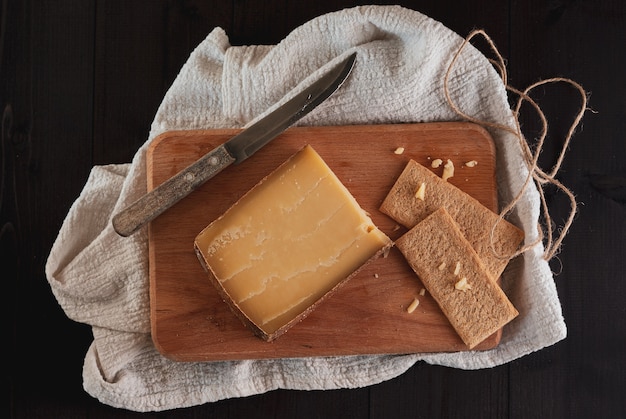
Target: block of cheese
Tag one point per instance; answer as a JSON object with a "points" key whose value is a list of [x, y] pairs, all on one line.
{"points": [[287, 244], [454, 275], [474, 219]]}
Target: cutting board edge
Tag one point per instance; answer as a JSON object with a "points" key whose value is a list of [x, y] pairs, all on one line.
{"points": [[227, 132]]}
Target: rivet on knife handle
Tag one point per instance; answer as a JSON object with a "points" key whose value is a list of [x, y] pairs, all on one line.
{"points": [[235, 150], [153, 204]]}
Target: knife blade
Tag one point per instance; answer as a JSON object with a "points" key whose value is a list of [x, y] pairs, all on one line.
{"points": [[234, 151]]}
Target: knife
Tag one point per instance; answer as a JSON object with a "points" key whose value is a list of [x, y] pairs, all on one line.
{"points": [[233, 151]]}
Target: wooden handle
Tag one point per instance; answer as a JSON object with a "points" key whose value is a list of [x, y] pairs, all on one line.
{"points": [[155, 202]]}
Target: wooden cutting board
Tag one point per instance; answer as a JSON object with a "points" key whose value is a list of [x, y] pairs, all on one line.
{"points": [[366, 316]]}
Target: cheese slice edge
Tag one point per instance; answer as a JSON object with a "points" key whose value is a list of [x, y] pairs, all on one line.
{"points": [[287, 243]]}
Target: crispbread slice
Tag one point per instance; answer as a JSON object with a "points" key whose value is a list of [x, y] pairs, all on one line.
{"points": [[474, 219], [433, 248]]}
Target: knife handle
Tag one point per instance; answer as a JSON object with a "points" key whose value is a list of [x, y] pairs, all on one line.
{"points": [[164, 196]]}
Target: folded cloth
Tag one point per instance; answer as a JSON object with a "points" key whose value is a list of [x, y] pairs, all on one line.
{"points": [[101, 279]]}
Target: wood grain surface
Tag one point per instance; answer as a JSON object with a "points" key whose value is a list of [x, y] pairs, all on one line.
{"points": [[80, 82], [367, 315]]}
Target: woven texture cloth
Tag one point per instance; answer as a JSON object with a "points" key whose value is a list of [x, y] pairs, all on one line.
{"points": [[101, 279]]}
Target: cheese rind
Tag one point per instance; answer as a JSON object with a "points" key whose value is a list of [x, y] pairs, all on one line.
{"points": [[287, 243]]}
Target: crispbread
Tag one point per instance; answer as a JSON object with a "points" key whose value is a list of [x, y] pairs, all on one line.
{"points": [[474, 219], [433, 248]]}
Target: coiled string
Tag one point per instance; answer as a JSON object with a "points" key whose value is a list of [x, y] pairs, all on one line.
{"points": [[535, 174]]}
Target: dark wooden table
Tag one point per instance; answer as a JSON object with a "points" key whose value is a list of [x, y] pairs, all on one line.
{"points": [[80, 82]]}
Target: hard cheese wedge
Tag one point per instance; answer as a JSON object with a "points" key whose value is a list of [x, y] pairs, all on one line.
{"points": [[287, 244]]}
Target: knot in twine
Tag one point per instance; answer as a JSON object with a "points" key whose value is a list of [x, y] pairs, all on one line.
{"points": [[536, 174]]}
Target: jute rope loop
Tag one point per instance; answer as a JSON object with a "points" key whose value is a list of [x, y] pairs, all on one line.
{"points": [[536, 174]]}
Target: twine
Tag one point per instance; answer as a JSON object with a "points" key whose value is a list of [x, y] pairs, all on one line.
{"points": [[537, 175]]}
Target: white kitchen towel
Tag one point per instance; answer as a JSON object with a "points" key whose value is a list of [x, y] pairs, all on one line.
{"points": [[101, 279]]}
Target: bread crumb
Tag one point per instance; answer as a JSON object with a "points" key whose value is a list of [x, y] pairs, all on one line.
{"points": [[420, 192], [448, 170], [422, 292], [457, 269], [436, 163], [442, 266], [399, 150], [411, 308], [471, 163], [376, 276], [462, 284]]}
